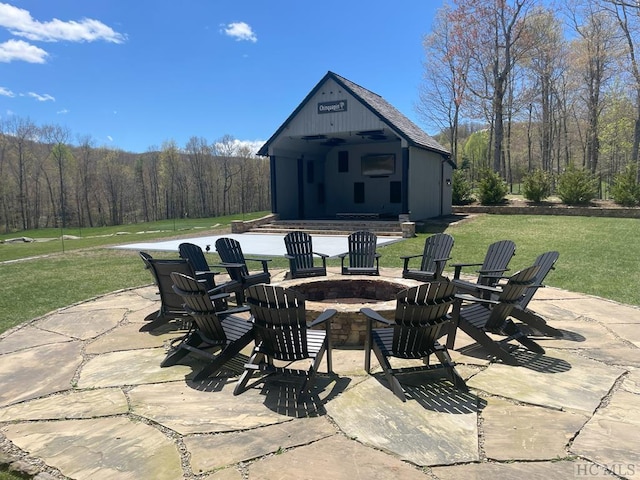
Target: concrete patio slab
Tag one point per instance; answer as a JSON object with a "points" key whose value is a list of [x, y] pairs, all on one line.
{"points": [[29, 337], [83, 324]]}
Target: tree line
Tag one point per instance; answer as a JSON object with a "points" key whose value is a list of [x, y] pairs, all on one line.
{"points": [[524, 85], [48, 180]]}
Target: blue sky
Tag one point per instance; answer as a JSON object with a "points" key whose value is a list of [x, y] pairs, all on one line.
{"points": [[135, 73]]}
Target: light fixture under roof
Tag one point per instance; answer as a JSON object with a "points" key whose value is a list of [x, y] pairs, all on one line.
{"points": [[314, 137]]}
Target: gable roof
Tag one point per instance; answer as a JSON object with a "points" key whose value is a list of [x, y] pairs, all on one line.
{"points": [[386, 112]]}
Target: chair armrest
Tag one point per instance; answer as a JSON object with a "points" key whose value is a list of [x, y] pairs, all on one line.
{"points": [[323, 255], [465, 297], [230, 265], [493, 273], [406, 260], [459, 266], [231, 311], [264, 261], [373, 315], [323, 317]]}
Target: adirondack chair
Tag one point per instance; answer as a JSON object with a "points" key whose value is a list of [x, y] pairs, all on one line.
{"points": [[545, 263], [195, 256], [483, 316], [282, 334], [223, 332], [235, 262], [437, 249], [362, 255], [300, 253], [170, 303], [491, 270], [421, 317]]}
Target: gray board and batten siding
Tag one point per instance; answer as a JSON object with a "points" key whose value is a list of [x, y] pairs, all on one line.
{"points": [[346, 149]]}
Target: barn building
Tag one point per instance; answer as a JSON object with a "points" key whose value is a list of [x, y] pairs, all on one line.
{"points": [[346, 152]]}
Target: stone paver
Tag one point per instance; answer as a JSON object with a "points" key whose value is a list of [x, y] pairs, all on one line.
{"points": [[558, 379], [371, 413], [29, 374], [74, 404], [611, 436], [242, 446], [520, 432], [104, 448], [336, 458], [82, 391]]}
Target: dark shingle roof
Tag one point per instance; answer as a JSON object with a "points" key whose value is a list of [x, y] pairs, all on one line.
{"points": [[379, 107], [390, 115]]}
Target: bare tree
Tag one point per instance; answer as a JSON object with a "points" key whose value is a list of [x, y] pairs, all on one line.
{"points": [[446, 66]]}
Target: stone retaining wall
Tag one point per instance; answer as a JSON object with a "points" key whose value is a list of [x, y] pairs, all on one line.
{"points": [[550, 210]]}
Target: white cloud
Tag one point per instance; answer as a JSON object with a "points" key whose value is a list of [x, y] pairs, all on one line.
{"points": [[20, 50], [240, 31], [6, 92], [41, 98], [64, 111], [110, 138], [20, 23]]}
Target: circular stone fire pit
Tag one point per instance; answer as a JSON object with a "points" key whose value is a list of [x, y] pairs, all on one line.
{"points": [[348, 294]]}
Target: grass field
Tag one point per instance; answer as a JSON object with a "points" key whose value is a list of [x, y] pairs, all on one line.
{"points": [[598, 256]]}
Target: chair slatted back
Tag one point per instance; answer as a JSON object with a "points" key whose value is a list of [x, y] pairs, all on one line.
{"points": [[230, 252], [300, 246], [279, 321], [545, 263], [362, 249], [421, 314], [199, 306], [161, 270], [497, 259], [511, 294], [435, 247], [193, 254]]}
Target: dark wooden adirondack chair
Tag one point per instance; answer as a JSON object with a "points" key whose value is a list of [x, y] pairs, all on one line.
{"points": [[545, 263], [362, 255], [483, 316], [283, 335], [222, 332], [491, 270], [422, 316], [235, 262], [437, 250], [195, 256], [171, 304], [300, 253]]}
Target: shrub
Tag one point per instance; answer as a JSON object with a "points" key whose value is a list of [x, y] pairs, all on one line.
{"points": [[491, 189], [625, 190], [461, 193], [536, 186], [576, 186]]}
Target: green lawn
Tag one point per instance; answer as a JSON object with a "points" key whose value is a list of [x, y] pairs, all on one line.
{"points": [[598, 256]]}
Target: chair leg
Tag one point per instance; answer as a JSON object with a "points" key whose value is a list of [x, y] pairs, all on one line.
{"points": [[447, 363], [224, 356], [394, 384], [182, 350], [536, 321], [254, 361], [492, 347]]}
